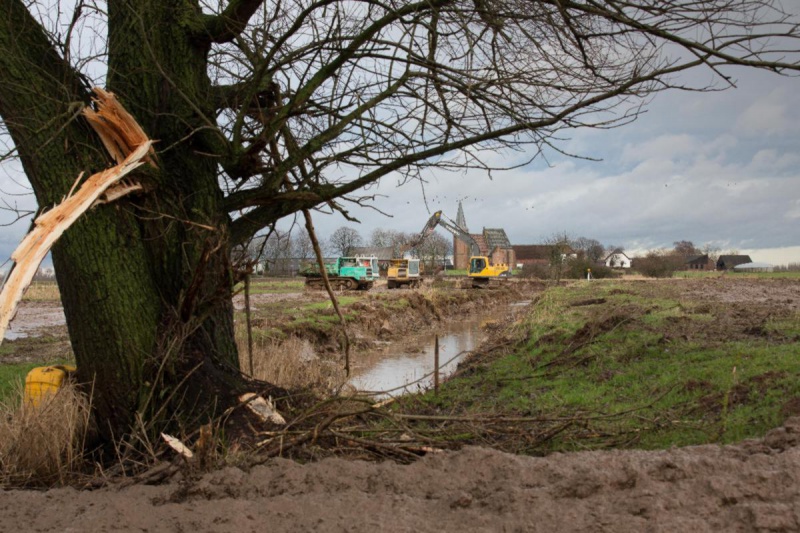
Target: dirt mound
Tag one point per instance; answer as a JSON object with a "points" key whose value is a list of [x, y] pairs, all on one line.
{"points": [[753, 486]]}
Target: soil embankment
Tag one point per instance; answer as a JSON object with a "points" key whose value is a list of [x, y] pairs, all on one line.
{"points": [[753, 486], [378, 315]]}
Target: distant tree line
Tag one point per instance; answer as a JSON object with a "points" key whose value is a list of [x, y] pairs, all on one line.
{"points": [[286, 252]]}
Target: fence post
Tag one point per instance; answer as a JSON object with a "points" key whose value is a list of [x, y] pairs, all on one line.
{"points": [[436, 366], [249, 324]]}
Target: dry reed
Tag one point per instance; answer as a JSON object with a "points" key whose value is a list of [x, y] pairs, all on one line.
{"points": [[42, 446], [290, 363], [42, 291]]}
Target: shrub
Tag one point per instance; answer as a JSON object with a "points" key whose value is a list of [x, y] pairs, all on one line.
{"points": [[658, 264], [539, 271], [576, 269]]}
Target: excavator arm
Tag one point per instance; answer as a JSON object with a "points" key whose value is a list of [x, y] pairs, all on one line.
{"points": [[426, 231], [460, 234]]}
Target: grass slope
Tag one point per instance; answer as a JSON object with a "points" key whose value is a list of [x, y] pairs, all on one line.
{"points": [[614, 364]]}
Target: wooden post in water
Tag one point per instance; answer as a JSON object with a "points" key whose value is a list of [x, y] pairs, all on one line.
{"points": [[436, 366], [249, 325]]}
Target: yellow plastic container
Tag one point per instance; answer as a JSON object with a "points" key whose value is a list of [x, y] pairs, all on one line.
{"points": [[44, 381]]}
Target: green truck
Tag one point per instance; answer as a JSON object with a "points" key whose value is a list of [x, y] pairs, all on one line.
{"points": [[347, 273]]}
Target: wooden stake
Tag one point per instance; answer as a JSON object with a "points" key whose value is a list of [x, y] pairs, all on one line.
{"points": [[321, 263], [436, 366], [249, 323]]}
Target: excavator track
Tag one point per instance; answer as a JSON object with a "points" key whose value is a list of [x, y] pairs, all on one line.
{"points": [[337, 283], [489, 283]]}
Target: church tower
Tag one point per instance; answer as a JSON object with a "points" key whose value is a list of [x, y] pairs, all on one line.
{"points": [[460, 248]]}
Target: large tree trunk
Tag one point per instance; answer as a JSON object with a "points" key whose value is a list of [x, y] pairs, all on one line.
{"points": [[146, 282]]}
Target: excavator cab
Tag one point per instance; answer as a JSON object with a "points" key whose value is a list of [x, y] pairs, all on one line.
{"points": [[477, 265]]}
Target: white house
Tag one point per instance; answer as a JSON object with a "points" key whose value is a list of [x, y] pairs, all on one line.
{"points": [[617, 259]]}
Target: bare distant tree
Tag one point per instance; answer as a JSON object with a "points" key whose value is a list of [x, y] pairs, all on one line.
{"points": [[381, 237], [390, 238], [433, 250], [591, 249], [277, 252], [712, 251], [302, 246], [343, 240], [559, 254], [685, 248], [264, 108], [270, 252]]}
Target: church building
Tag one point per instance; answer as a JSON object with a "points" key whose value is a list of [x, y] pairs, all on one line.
{"points": [[493, 243]]}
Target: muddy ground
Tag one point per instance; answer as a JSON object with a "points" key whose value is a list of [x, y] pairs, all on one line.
{"points": [[754, 486], [750, 486]]}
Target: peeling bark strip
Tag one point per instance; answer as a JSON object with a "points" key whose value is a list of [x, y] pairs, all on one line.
{"points": [[130, 147]]}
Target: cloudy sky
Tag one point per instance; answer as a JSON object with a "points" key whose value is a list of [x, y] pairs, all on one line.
{"points": [[720, 168]]}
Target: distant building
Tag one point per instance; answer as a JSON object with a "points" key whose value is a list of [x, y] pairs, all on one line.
{"points": [[538, 254], [617, 259], [699, 262], [492, 242], [727, 262]]}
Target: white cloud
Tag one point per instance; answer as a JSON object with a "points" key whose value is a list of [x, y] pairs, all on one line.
{"points": [[662, 147], [770, 114]]}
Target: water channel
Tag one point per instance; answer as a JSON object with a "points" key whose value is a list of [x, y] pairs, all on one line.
{"points": [[398, 368], [405, 367]]}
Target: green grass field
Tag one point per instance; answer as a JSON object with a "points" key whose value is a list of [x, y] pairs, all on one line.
{"points": [[628, 365]]}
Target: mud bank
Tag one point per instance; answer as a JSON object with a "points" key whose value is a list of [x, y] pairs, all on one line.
{"points": [[753, 486], [390, 316]]}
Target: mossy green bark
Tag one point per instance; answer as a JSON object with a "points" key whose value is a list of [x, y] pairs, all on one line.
{"points": [[140, 274]]}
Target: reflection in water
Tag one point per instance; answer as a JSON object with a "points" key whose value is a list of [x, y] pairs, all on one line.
{"points": [[12, 335], [33, 320], [396, 370]]}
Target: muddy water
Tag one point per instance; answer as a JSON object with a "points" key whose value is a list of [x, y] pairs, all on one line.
{"points": [[397, 368], [35, 318], [401, 367]]}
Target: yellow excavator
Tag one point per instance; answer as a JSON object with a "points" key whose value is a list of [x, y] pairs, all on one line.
{"points": [[482, 272], [408, 272]]}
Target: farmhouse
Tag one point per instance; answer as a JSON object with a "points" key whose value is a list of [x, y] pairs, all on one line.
{"points": [[538, 254], [617, 259], [699, 262]]}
